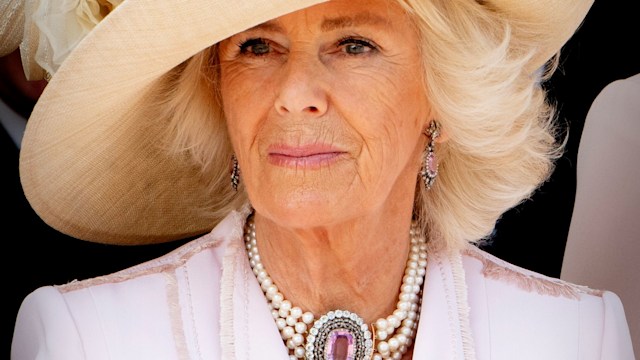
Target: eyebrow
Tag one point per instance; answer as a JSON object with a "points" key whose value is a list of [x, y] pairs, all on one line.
{"points": [[342, 22]]}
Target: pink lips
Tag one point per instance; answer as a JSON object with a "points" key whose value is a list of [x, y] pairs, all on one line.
{"points": [[307, 156]]}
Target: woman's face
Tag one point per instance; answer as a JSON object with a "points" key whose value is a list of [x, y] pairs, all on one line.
{"points": [[326, 110]]}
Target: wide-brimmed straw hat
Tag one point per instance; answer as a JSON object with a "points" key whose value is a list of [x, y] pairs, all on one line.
{"points": [[91, 165]]}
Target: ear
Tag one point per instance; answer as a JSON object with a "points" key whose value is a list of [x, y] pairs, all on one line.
{"points": [[443, 135]]}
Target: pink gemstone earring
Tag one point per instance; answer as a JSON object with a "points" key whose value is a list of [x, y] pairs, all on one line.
{"points": [[429, 170]]}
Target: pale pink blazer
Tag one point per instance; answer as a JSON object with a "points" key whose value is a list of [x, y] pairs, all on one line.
{"points": [[202, 301]]}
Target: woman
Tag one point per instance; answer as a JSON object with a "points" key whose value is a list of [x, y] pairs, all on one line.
{"points": [[337, 234]]}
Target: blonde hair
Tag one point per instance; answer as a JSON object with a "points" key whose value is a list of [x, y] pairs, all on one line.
{"points": [[501, 135], [501, 140], [190, 102]]}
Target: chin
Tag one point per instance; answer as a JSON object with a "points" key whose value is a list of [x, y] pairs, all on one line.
{"points": [[297, 209]]}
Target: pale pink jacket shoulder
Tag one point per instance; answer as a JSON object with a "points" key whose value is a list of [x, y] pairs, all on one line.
{"points": [[202, 301]]}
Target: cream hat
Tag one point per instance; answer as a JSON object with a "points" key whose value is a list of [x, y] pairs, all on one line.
{"points": [[90, 163]]}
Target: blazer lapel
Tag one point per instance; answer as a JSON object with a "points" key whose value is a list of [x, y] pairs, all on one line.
{"points": [[444, 331], [254, 333]]}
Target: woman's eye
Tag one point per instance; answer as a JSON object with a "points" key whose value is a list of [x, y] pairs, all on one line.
{"points": [[255, 47], [356, 46]]}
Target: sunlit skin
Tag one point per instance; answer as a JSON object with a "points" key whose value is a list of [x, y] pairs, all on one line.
{"points": [[327, 114]]}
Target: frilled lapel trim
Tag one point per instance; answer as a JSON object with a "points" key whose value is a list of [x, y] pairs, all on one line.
{"points": [[246, 326], [527, 280], [444, 332]]}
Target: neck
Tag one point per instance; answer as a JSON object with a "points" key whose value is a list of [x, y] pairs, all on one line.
{"points": [[357, 265]]}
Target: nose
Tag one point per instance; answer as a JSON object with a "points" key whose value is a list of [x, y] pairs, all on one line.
{"points": [[301, 90]]}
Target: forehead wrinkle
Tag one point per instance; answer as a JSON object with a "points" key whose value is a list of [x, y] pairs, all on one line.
{"points": [[329, 24], [364, 18]]}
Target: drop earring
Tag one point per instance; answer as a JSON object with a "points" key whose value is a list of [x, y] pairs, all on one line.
{"points": [[235, 173], [429, 170]]}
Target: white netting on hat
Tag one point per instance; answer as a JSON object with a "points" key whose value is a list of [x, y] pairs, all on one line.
{"points": [[62, 24]]}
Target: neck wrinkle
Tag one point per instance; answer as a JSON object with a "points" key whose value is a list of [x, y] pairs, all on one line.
{"points": [[360, 272]]}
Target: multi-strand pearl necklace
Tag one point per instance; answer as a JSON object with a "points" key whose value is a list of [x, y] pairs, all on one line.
{"points": [[316, 338]]}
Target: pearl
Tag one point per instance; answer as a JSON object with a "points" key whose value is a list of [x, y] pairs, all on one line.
{"points": [[272, 290], [266, 283], [290, 344], [393, 321], [300, 327], [383, 347], [394, 344], [409, 324], [297, 339], [394, 334], [262, 275], [390, 330], [381, 324], [404, 305], [405, 331], [402, 339], [277, 300], [286, 305], [296, 312], [307, 318], [287, 332], [400, 314]]}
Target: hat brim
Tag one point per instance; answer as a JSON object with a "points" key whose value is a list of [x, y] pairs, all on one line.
{"points": [[134, 193]]}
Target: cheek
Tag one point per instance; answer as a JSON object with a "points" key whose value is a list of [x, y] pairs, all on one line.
{"points": [[391, 116], [234, 88], [245, 100], [393, 136]]}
